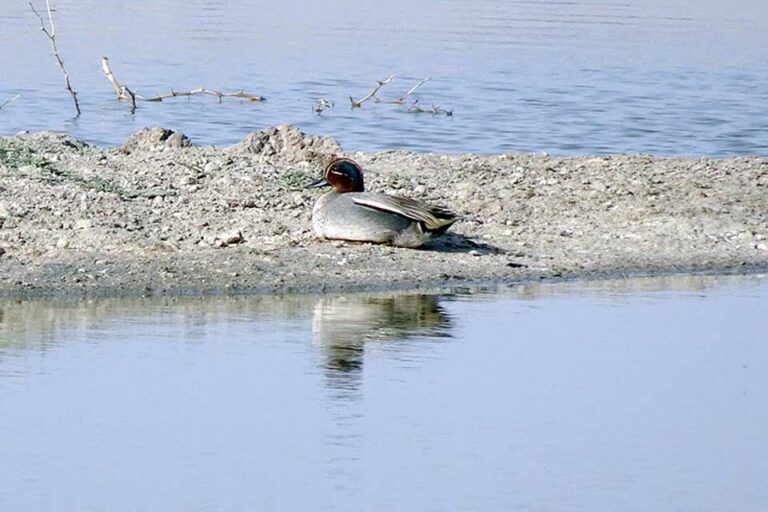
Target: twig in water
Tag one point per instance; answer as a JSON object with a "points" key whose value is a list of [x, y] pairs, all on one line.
{"points": [[372, 93], [131, 98], [203, 90], [321, 105], [112, 80], [414, 108], [124, 93], [9, 100], [51, 35], [401, 99]]}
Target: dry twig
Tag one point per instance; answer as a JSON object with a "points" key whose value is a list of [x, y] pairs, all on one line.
{"points": [[414, 108], [112, 80], [401, 99], [51, 35], [203, 90], [9, 100], [321, 105], [372, 93], [124, 93]]}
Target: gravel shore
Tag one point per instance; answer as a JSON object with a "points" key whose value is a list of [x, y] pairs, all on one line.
{"points": [[159, 215]]}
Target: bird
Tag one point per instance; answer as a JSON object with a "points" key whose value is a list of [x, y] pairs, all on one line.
{"points": [[350, 213]]}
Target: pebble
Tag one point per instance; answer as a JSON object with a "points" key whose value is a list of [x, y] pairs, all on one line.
{"points": [[83, 224], [231, 237]]}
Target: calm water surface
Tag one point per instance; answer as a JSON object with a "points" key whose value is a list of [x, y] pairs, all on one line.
{"points": [[602, 76], [630, 395]]}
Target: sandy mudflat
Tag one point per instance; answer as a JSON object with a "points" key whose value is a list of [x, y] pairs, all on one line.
{"points": [[158, 215]]}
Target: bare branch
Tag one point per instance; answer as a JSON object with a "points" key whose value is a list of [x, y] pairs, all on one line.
{"points": [[414, 108], [401, 99], [9, 101], [203, 90], [321, 105], [372, 93], [124, 93], [112, 80], [51, 35]]}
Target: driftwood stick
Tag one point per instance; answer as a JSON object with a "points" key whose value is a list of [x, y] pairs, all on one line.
{"points": [[414, 108], [9, 101], [321, 105], [372, 93], [401, 99], [124, 93], [119, 91], [51, 35], [203, 90]]}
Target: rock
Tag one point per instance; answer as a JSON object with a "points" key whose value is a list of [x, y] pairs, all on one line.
{"points": [[224, 239], [288, 143], [232, 237], [155, 139], [52, 141], [83, 224], [465, 189]]}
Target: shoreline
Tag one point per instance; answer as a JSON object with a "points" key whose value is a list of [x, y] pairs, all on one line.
{"points": [[159, 216], [426, 288]]}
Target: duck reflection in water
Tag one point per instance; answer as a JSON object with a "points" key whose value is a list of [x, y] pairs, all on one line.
{"points": [[344, 325]]}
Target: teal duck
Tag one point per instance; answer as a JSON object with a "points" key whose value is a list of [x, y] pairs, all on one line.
{"points": [[348, 212]]}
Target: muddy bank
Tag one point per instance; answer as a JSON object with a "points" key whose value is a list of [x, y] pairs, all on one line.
{"points": [[160, 215]]}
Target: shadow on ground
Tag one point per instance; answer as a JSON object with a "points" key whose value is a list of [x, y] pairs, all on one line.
{"points": [[455, 242]]}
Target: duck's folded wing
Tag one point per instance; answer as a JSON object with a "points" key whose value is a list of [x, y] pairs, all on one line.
{"points": [[433, 217]]}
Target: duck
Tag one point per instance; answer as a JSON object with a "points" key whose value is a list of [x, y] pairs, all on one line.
{"points": [[350, 213]]}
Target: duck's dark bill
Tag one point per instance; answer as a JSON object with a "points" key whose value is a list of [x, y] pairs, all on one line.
{"points": [[322, 182]]}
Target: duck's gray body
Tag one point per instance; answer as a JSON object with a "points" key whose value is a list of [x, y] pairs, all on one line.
{"points": [[345, 217]]}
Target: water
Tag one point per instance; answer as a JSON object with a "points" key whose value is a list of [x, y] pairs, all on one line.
{"points": [[626, 395], [566, 77]]}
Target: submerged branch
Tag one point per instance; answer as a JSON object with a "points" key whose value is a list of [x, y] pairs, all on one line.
{"points": [[402, 98], [119, 91], [372, 93], [51, 35], [414, 108], [124, 93], [203, 90], [321, 105], [9, 101]]}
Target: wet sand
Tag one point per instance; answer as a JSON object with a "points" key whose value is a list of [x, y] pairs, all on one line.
{"points": [[159, 215]]}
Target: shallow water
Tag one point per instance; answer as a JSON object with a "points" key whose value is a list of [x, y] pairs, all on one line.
{"points": [[616, 395], [566, 77]]}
